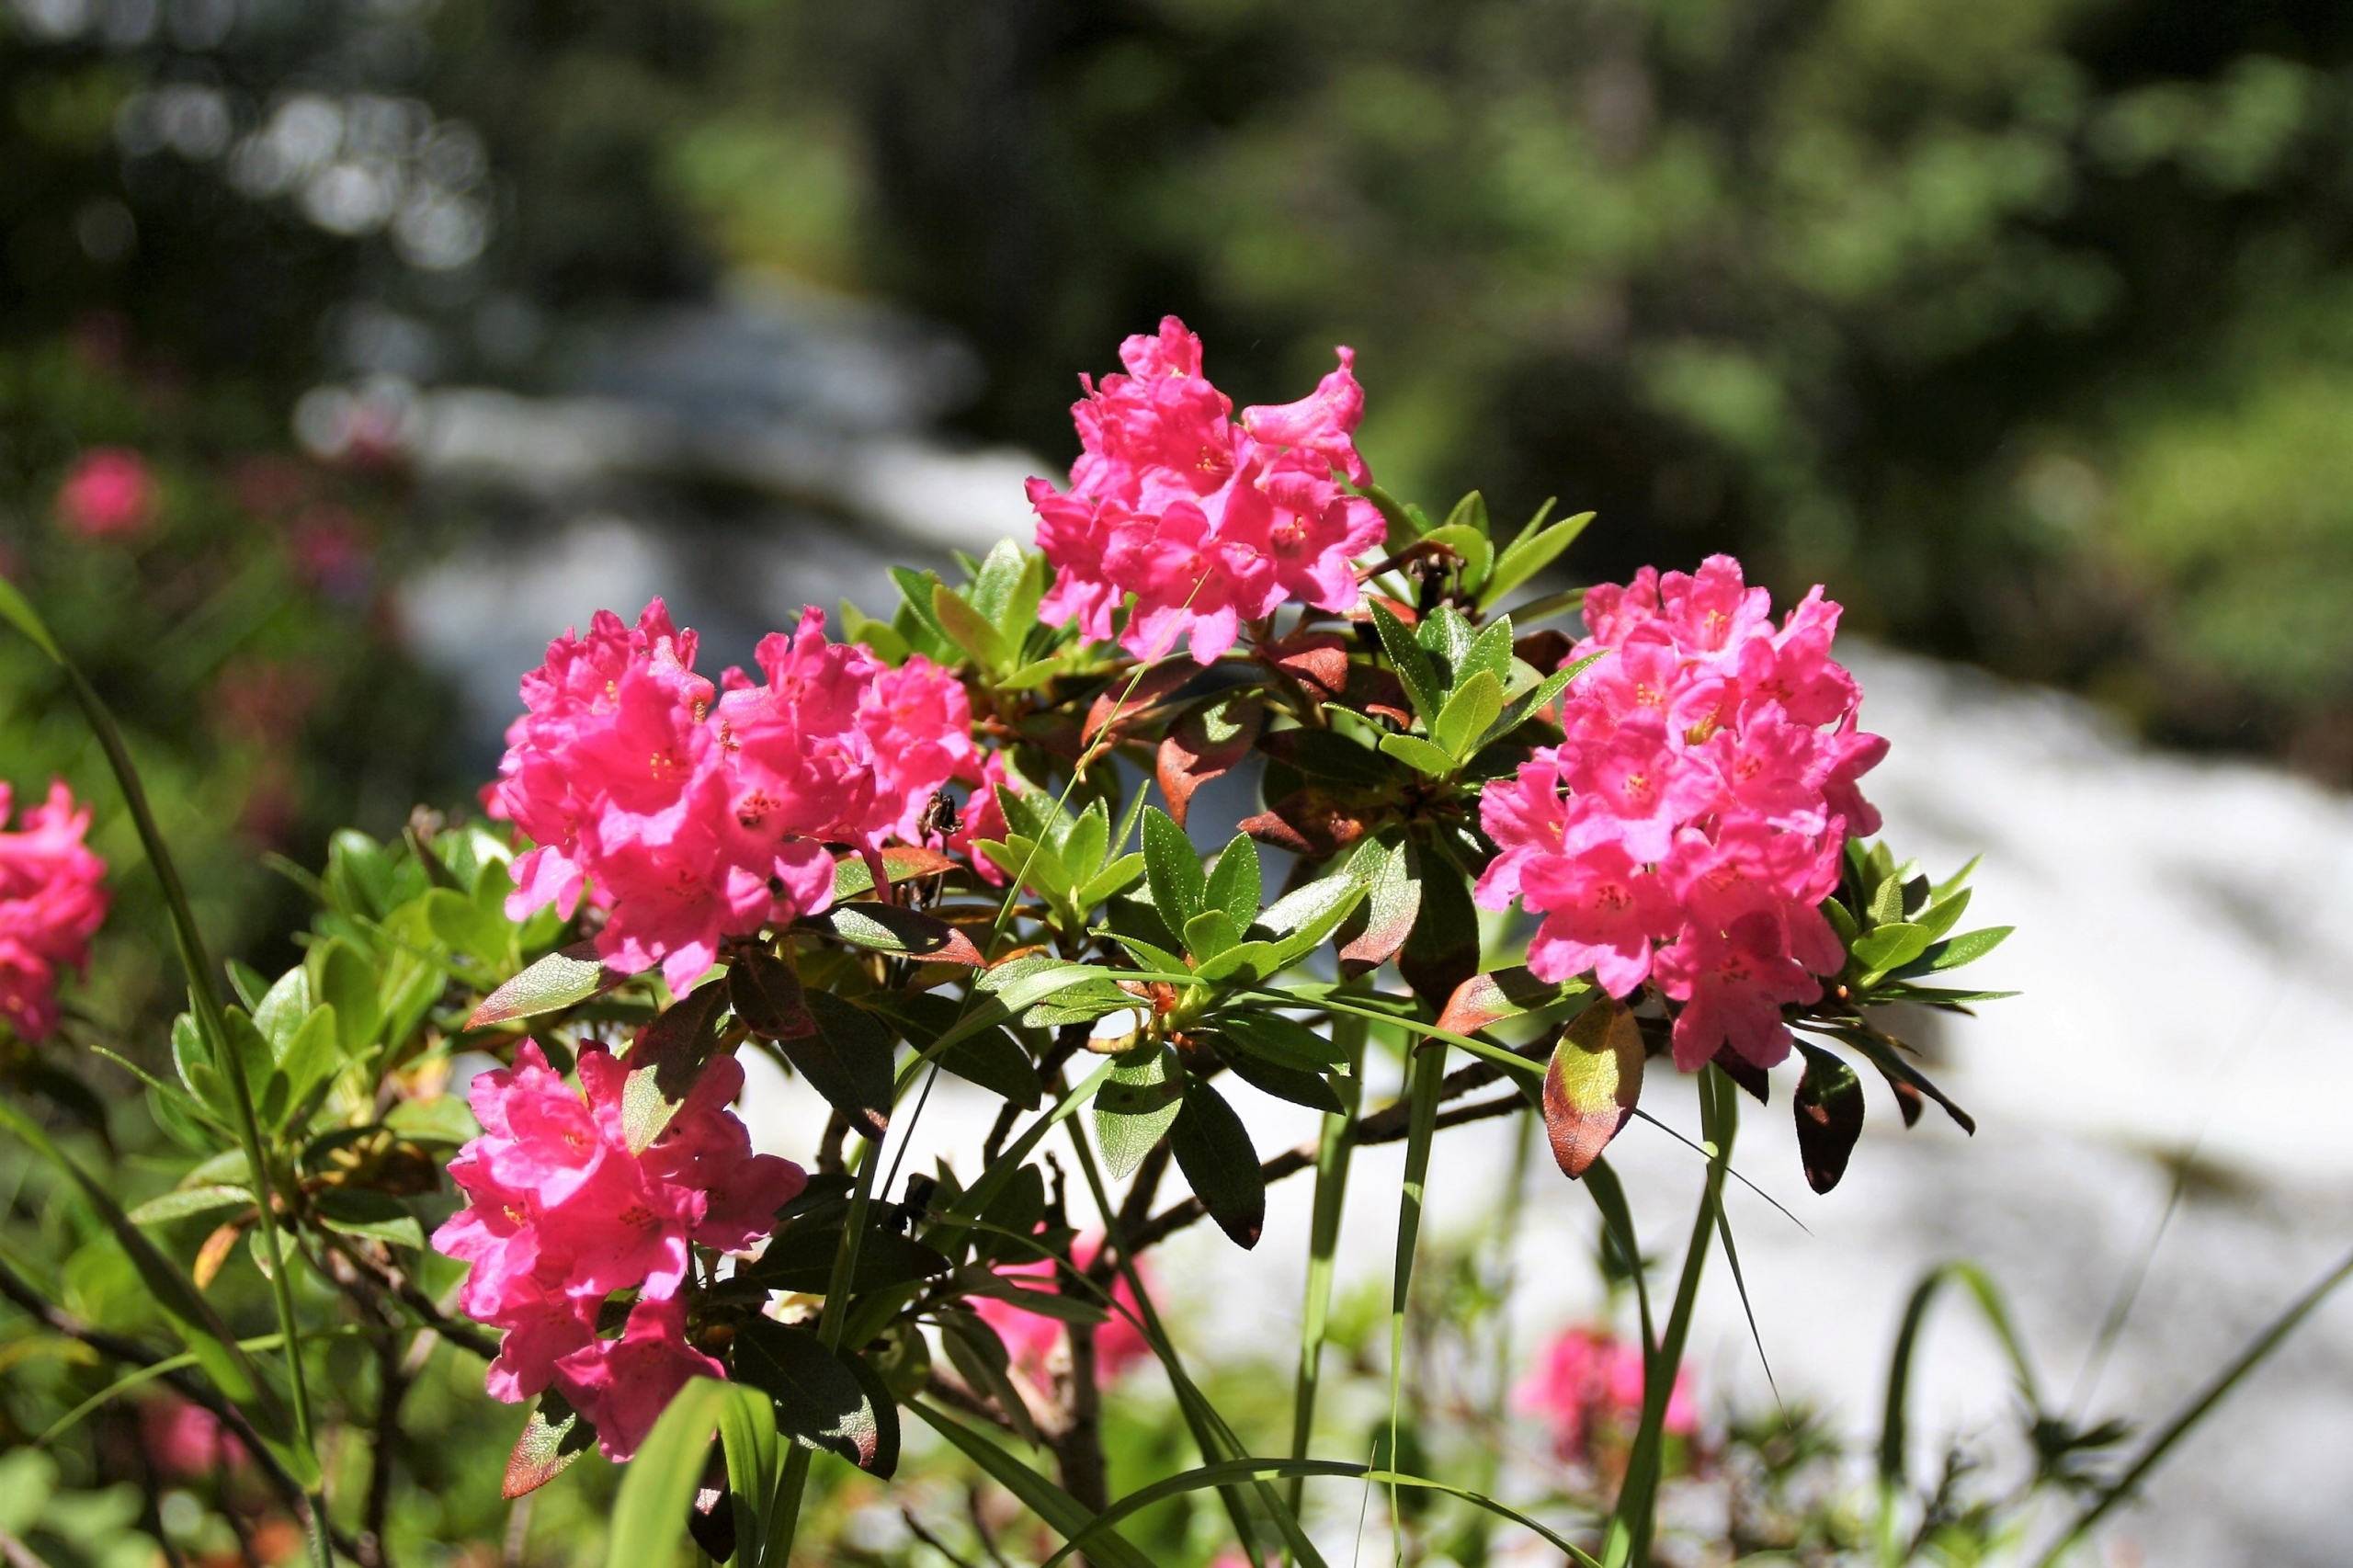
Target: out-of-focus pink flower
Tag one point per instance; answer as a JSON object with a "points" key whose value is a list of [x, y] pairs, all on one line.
{"points": [[52, 900], [107, 494], [332, 553], [1039, 1345], [185, 1440], [561, 1214], [1208, 522], [693, 813], [1700, 799], [1590, 1385]]}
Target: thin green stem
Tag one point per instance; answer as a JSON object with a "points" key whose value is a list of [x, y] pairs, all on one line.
{"points": [[1335, 1145], [785, 1517], [1635, 1518], [1428, 1073]]}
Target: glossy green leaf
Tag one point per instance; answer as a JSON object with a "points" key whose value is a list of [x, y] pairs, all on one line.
{"points": [[561, 980], [1464, 719], [1234, 883], [847, 1058], [1213, 1151], [1412, 665], [1172, 868], [819, 1403], [1135, 1105], [1419, 754], [1528, 555]]}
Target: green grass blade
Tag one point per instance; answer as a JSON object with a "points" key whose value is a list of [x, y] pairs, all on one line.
{"points": [[1423, 1093], [1333, 1150], [659, 1487], [1062, 1513]]}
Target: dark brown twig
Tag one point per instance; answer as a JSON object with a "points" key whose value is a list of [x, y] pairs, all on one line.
{"points": [[463, 1334]]}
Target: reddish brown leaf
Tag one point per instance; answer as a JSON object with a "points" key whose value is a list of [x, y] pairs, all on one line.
{"points": [[542, 1452], [1397, 608], [1744, 1072], [1547, 650], [1486, 999], [1205, 742], [1318, 660], [1308, 821], [1591, 1086], [1378, 927], [1157, 684]]}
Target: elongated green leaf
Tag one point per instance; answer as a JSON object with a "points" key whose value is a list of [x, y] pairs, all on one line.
{"points": [[1062, 1513], [1234, 883], [191, 1200], [1419, 754], [659, 1487], [1412, 665], [979, 1355], [802, 1260], [1225, 1472], [560, 980], [998, 581], [1468, 713], [747, 1436], [1528, 555], [969, 629], [1967, 948], [887, 928], [1297, 1085], [1172, 868], [819, 1403], [1209, 933], [1213, 1151], [765, 993], [847, 1058], [1894, 1439], [1484, 1000], [553, 1436], [989, 1057], [1135, 1105], [901, 863], [376, 1215]]}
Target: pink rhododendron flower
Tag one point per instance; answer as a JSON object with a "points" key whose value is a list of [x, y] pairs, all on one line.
{"points": [[1039, 1345], [561, 1214], [1208, 522], [1705, 785], [1590, 1382], [693, 813], [107, 494], [52, 900]]}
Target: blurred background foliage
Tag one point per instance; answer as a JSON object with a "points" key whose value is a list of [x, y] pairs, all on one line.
{"points": [[2025, 323]]}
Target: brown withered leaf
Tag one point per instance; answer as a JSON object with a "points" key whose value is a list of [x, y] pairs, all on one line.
{"points": [[1317, 660], [1311, 822], [1206, 742], [215, 1252], [1547, 650], [1590, 1089], [1119, 708]]}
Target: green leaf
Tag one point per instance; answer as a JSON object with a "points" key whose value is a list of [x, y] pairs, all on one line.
{"points": [[1967, 948], [1829, 1110], [678, 1044], [1940, 916], [1887, 947], [357, 1211], [916, 590], [346, 981], [989, 1057], [1420, 755], [1172, 868], [878, 635], [1062, 1514], [1030, 862], [1528, 555], [995, 585], [1516, 712], [801, 1259], [1285, 1041], [853, 876], [1887, 899], [1463, 721], [1412, 665], [184, 1201], [888, 928], [1443, 950], [1592, 1085], [1213, 1151], [979, 1355], [659, 1487], [1290, 1083], [562, 979], [1301, 919], [1113, 880], [1330, 756], [847, 1058], [1233, 884], [281, 1010], [1476, 550], [479, 933], [1135, 1105], [881, 1460], [766, 994], [819, 1403], [1090, 836], [1445, 635], [747, 1439], [1209, 933], [1248, 962], [978, 1280], [311, 1058], [969, 629]]}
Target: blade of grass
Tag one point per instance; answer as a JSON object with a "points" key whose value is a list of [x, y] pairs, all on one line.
{"points": [[1422, 1092], [1333, 1149], [2259, 1350], [205, 1001], [1634, 1521]]}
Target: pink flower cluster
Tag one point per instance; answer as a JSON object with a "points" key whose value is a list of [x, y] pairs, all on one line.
{"points": [[109, 493], [561, 1214], [1590, 1382], [52, 900], [1700, 800], [1033, 1340], [693, 813], [1208, 522]]}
